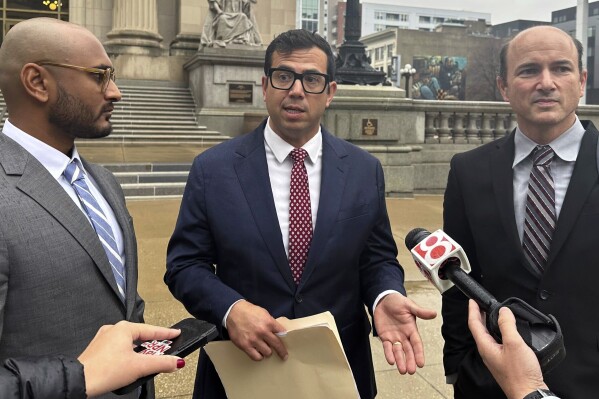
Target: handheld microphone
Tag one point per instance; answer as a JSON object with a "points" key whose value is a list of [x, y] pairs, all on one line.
{"points": [[444, 263]]}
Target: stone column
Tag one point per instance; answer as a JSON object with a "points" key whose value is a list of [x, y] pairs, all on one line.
{"points": [[134, 28], [191, 22]]}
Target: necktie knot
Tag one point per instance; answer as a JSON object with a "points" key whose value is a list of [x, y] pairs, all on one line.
{"points": [[298, 155], [72, 172], [543, 155]]}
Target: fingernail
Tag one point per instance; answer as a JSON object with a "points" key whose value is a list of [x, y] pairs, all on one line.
{"points": [[180, 363]]}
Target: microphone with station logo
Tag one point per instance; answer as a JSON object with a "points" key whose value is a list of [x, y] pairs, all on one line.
{"points": [[444, 263]]}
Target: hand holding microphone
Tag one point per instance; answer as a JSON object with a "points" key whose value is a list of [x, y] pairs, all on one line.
{"points": [[443, 262]]}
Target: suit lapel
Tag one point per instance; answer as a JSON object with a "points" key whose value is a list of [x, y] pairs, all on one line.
{"points": [[122, 216], [584, 178], [39, 185], [252, 171], [503, 189], [334, 176]]}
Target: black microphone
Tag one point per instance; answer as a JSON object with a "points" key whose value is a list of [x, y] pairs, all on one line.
{"points": [[444, 263]]}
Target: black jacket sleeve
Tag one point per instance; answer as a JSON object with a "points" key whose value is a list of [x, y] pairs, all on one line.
{"points": [[42, 378]]}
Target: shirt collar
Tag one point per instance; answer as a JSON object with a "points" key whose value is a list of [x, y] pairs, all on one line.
{"points": [[281, 148], [52, 159], [566, 146]]}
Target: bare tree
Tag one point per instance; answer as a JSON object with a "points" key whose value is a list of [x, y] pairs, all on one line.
{"points": [[483, 67]]}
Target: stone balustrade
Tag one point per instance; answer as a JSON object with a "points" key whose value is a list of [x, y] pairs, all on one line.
{"points": [[416, 139]]}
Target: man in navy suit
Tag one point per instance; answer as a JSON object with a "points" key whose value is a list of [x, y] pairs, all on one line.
{"points": [[229, 257]]}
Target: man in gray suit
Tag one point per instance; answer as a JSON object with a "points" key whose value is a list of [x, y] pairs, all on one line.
{"points": [[68, 257]]}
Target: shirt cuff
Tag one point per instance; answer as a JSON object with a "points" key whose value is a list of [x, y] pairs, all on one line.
{"points": [[224, 322], [381, 296]]}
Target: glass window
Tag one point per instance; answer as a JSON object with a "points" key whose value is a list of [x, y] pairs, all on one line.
{"points": [[591, 31], [15, 11], [424, 20], [390, 50]]}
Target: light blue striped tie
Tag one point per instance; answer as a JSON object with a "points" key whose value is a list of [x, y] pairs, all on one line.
{"points": [[76, 177]]}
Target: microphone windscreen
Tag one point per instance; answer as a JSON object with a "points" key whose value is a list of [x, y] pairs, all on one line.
{"points": [[415, 236]]}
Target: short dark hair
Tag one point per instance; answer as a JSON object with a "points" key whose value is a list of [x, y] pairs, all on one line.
{"points": [[299, 39], [505, 47]]}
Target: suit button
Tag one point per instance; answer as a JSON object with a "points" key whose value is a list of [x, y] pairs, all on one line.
{"points": [[298, 298], [544, 294]]}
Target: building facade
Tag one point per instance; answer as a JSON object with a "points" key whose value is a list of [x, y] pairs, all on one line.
{"points": [[565, 19], [147, 39], [452, 62], [378, 15], [512, 28]]}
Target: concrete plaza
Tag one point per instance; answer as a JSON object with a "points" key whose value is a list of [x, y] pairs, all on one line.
{"points": [[154, 222]]}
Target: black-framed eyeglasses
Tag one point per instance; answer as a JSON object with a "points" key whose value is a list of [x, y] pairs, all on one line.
{"points": [[284, 79], [107, 74]]}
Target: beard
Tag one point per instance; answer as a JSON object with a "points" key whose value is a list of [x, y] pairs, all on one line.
{"points": [[75, 118]]}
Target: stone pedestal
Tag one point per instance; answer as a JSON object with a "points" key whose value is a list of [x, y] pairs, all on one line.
{"points": [[371, 118], [226, 84]]}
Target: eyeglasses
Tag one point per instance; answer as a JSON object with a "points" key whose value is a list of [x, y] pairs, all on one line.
{"points": [[284, 79], [106, 75]]}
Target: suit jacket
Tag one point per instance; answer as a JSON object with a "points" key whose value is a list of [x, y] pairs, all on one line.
{"points": [[56, 285], [479, 214], [227, 245]]}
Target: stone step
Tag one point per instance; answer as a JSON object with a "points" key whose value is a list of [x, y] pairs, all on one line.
{"points": [[147, 98], [147, 167], [164, 132], [166, 107], [142, 117], [151, 177], [144, 190], [135, 123], [158, 138]]}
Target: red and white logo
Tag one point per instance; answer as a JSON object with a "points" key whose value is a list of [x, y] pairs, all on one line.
{"points": [[156, 347], [434, 247]]}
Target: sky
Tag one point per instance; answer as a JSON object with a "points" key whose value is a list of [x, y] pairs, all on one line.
{"points": [[501, 11]]}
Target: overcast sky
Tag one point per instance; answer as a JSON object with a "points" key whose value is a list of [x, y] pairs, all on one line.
{"points": [[501, 11]]}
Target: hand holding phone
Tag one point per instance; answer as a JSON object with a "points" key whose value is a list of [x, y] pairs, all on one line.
{"points": [[194, 334]]}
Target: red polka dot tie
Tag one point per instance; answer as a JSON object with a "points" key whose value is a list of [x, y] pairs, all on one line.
{"points": [[300, 215]]}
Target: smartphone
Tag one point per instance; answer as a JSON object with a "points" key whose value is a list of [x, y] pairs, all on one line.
{"points": [[194, 334]]}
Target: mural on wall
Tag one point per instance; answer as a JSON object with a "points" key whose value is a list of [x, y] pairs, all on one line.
{"points": [[439, 78]]}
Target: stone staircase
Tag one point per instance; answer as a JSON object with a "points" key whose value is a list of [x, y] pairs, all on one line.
{"points": [[143, 180], [153, 112], [151, 116]]}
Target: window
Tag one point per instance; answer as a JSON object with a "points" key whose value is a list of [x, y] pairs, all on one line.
{"points": [[310, 15], [392, 17], [379, 27], [390, 48], [425, 20], [438, 20], [15, 11], [590, 51], [379, 15], [591, 31]]}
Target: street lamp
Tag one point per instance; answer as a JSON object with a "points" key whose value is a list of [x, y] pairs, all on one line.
{"points": [[406, 72]]}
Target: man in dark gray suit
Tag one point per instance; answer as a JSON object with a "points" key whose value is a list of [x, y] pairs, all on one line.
{"points": [[68, 257]]}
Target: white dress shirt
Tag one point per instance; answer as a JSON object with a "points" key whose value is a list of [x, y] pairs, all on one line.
{"points": [[55, 163], [566, 148], [279, 170]]}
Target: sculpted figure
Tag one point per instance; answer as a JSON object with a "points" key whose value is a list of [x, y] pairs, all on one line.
{"points": [[231, 21]]}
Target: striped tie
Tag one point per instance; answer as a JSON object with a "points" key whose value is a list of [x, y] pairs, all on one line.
{"points": [[76, 177], [540, 217]]}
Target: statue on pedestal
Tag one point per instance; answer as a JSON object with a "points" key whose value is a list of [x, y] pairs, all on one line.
{"points": [[231, 21]]}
